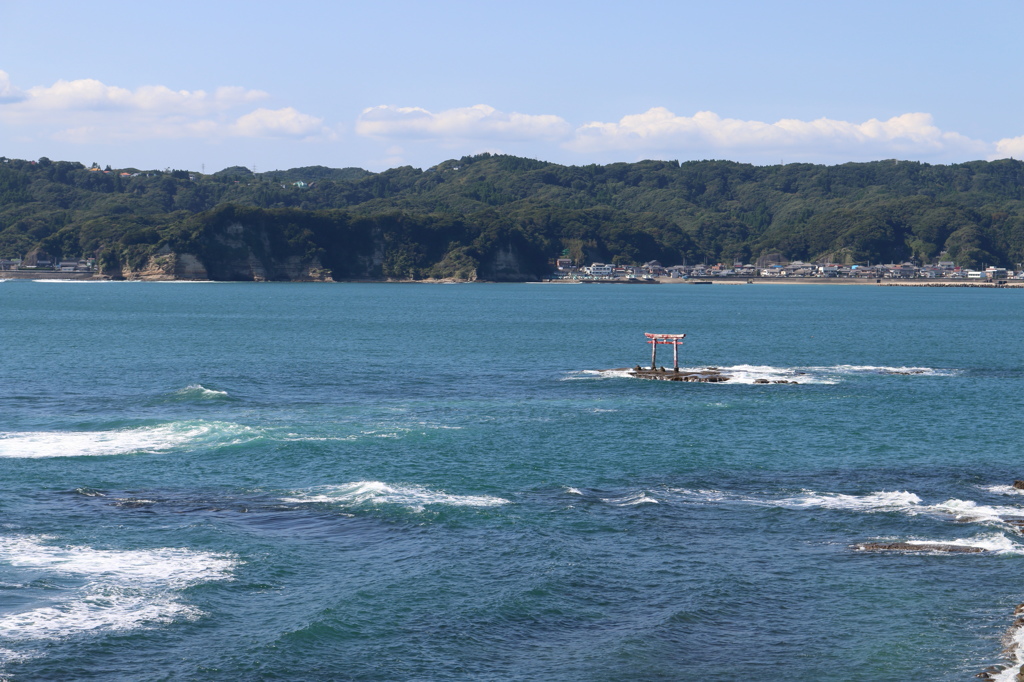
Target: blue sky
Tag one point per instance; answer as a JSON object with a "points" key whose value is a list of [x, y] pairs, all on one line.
{"points": [[376, 85]]}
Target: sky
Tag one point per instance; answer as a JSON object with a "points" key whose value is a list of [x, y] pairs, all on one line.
{"points": [[274, 85]]}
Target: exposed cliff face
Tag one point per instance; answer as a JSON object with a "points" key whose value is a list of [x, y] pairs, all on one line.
{"points": [[167, 265], [236, 244], [238, 253], [246, 253], [511, 262]]}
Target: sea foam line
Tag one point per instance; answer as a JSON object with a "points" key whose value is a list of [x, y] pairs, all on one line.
{"points": [[377, 492], [751, 374], [991, 543], [106, 590], [964, 511], [33, 444], [200, 391]]}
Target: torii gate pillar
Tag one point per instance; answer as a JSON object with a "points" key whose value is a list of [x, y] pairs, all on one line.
{"points": [[674, 339]]}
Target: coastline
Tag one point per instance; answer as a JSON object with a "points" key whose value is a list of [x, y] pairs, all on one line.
{"points": [[731, 281]]}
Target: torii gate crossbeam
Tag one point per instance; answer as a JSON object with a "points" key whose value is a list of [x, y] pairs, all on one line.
{"points": [[674, 339]]}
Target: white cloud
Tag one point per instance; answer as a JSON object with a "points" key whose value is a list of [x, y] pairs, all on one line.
{"points": [[660, 130], [465, 123], [88, 94], [285, 122], [1009, 146], [90, 111], [8, 93]]}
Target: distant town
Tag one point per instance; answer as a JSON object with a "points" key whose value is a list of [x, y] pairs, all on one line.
{"points": [[653, 270], [86, 265]]}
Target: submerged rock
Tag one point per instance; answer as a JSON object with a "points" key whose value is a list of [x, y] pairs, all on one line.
{"points": [[917, 547]]}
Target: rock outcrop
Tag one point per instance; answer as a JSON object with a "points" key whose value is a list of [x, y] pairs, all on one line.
{"points": [[917, 547]]}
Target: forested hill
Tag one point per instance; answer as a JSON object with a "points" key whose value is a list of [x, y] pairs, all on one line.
{"points": [[503, 217]]}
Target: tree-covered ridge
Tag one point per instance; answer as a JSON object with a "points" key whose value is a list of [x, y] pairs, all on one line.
{"points": [[451, 220]]}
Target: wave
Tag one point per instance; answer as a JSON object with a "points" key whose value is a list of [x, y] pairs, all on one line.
{"points": [[147, 439], [991, 543], [758, 374], [905, 502], [199, 392], [106, 590], [1002, 489], [413, 497], [877, 501], [630, 499]]}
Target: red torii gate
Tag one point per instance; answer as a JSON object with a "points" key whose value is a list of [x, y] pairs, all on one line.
{"points": [[675, 339]]}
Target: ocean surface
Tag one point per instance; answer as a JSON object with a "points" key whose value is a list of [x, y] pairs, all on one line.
{"points": [[212, 481]]}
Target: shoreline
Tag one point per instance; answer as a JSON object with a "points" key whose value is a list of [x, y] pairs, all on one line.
{"points": [[943, 284]]}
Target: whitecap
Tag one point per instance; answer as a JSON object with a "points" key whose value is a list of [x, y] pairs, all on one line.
{"points": [[970, 511], [871, 502], [200, 391], [592, 374], [107, 590], [1002, 489], [32, 444], [992, 543], [885, 369], [630, 499], [377, 492], [1015, 648]]}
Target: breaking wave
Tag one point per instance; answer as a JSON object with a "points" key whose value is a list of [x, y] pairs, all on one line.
{"points": [[30, 444], [199, 392], [630, 499], [754, 374], [414, 497], [965, 511], [105, 590], [992, 543], [877, 501]]}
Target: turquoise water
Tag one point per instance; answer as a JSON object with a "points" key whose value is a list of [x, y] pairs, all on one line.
{"points": [[414, 482]]}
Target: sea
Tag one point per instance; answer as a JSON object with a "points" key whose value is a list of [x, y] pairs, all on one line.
{"points": [[271, 481]]}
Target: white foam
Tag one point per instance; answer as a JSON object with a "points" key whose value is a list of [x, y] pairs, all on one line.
{"points": [[751, 374], [120, 441], [969, 511], [883, 369], [994, 543], [708, 496], [1002, 489], [630, 499], [107, 590], [592, 374], [738, 374], [376, 492], [871, 502], [200, 391], [572, 491], [1015, 647]]}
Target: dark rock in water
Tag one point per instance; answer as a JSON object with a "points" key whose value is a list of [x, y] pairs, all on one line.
{"points": [[761, 381], [923, 547], [1019, 485], [1019, 610], [707, 376]]}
